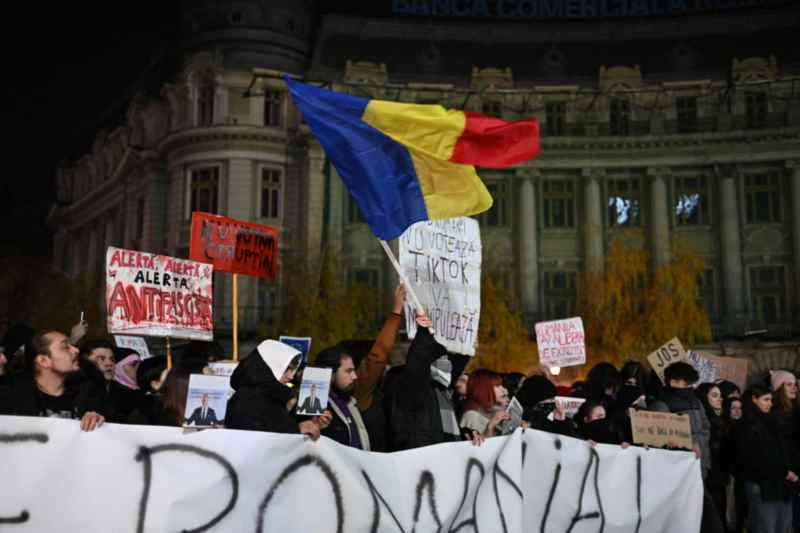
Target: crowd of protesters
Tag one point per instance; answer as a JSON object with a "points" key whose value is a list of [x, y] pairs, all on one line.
{"points": [[747, 442]]}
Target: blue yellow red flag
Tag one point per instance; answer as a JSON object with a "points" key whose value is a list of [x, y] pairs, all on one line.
{"points": [[404, 163]]}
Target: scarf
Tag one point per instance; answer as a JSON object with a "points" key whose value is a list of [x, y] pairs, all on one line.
{"points": [[119, 372]]}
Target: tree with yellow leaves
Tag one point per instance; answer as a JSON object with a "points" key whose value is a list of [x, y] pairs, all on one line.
{"points": [[319, 304], [628, 313], [504, 343]]}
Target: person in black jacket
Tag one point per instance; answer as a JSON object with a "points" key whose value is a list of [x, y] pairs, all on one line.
{"points": [[764, 465], [262, 401], [50, 359], [418, 403]]}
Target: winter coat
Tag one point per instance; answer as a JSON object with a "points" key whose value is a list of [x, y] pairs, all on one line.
{"points": [[761, 456], [679, 401], [259, 403], [411, 401]]}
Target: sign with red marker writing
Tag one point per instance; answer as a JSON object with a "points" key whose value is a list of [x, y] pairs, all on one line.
{"points": [[234, 246], [158, 295], [561, 342]]}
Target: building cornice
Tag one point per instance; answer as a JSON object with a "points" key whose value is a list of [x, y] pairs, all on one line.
{"points": [[533, 31], [751, 146], [199, 139]]}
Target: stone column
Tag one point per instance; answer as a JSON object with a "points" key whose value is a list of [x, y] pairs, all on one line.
{"points": [[794, 167], [529, 249], [241, 205], [731, 240], [336, 214], [593, 225], [659, 215], [316, 200]]}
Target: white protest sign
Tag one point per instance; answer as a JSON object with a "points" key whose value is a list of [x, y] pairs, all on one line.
{"points": [[160, 479], [569, 405], [139, 344], [442, 261], [158, 295], [561, 342], [222, 368], [706, 369]]}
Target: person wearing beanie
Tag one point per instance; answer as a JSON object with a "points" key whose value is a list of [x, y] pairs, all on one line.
{"points": [[262, 400]]}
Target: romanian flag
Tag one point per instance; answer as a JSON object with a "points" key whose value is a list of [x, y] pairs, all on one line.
{"points": [[404, 163]]}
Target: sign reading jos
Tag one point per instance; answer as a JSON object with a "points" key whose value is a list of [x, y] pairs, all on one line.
{"points": [[158, 295], [442, 261], [669, 353], [561, 342], [234, 246]]}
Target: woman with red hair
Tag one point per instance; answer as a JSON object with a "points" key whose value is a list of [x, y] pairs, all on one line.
{"points": [[485, 405]]}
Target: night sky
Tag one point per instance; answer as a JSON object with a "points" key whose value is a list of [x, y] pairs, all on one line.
{"points": [[66, 65]]}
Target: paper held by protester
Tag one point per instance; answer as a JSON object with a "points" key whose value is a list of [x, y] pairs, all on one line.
{"points": [[660, 430], [314, 389], [669, 353], [206, 401], [139, 344], [158, 479], [712, 368], [158, 295], [442, 262], [561, 342]]}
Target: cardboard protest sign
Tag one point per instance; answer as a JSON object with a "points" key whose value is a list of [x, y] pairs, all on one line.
{"points": [[158, 295], [139, 344], [561, 342], [442, 261], [661, 429], [313, 397], [301, 344], [669, 353], [234, 246], [712, 368], [206, 401], [569, 405], [162, 479]]}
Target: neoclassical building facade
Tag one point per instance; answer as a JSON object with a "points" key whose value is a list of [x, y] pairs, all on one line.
{"points": [[653, 131]]}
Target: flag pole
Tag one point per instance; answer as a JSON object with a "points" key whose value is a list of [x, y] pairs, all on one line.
{"points": [[169, 355], [235, 316], [409, 289]]}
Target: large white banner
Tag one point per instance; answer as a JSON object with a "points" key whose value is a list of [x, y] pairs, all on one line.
{"points": [[149, 479], [442, 261]]}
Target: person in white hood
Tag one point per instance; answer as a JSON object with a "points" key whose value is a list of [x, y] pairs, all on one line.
{"points": [[262, 401]]}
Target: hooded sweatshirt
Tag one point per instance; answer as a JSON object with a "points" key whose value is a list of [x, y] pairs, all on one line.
{"points": [[259, 403]]}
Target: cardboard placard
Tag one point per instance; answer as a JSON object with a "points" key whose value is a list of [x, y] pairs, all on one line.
{"points": [[669, 353], [561, 342], [713, 368], [158, 295], [658, 429], [234, 246]]}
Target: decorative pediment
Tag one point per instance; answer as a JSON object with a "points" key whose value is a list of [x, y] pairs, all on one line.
{"points": [[613, 78], [491, 79], [365, 72], [754, 69]]}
